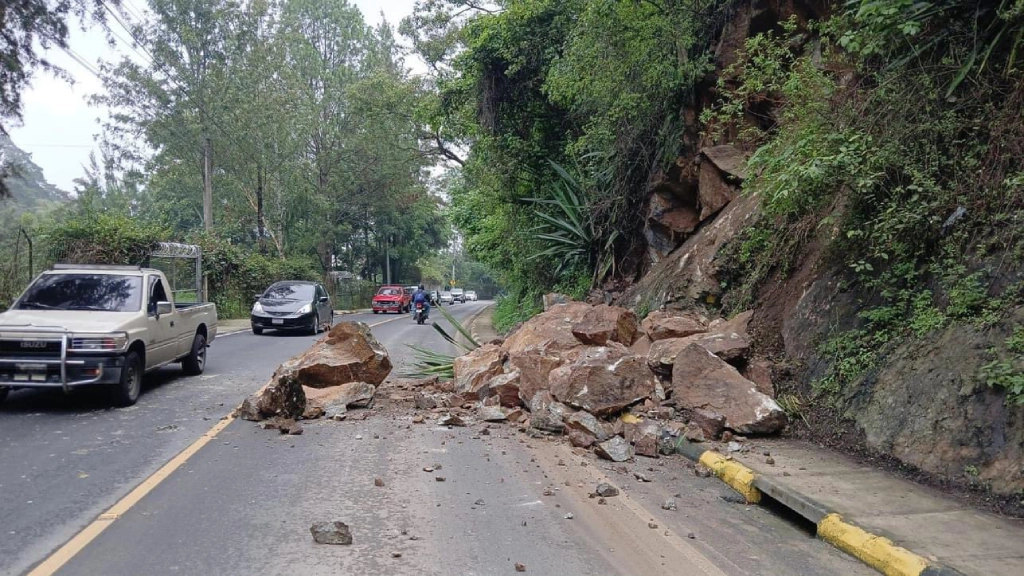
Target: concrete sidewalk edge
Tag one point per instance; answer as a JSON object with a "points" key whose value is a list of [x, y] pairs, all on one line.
{"points": [[876, 551]]}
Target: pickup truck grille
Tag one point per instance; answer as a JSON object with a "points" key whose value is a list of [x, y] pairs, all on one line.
{"points": [[31, 348]]}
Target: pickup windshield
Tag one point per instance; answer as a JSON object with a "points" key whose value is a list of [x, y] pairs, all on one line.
{"points": [[102, 292]]}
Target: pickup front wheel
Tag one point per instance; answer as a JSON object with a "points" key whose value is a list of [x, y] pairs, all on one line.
{"points": [[127, 391], [195, 362]]}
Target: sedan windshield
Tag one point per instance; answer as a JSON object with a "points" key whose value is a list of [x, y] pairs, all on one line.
{"points": [[102, 292], [289, 292]]}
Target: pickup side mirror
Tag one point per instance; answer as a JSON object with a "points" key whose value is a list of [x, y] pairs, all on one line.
{"points": [[257, 297], [324, 299], [164, 308]]}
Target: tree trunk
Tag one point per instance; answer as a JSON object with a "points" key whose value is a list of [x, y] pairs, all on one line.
{"points": [[261, 225]]}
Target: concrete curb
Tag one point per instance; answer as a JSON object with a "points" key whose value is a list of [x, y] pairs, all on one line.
{"points": [[472, 322], [876, 551]]}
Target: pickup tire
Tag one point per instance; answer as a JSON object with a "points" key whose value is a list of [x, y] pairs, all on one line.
{"points": [[195, 362], [257, 331], [126, 392]]}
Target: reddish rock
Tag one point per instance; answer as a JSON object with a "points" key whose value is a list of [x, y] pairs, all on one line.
{"points": [[759, 371], [646, 446], [581, 439], [642, 346], [337, 399], [664, 324], [714, 191], [702, 380], [475, 370], [712, 424], [349, 353], [602, 381], [506, 387], [541, 345], [603, 324]]}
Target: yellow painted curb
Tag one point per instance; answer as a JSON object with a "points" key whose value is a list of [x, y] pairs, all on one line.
{"points": [[878, 552], [734, 474]]}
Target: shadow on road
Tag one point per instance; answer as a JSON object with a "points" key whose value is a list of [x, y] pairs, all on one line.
{"points": [[80, 400]]}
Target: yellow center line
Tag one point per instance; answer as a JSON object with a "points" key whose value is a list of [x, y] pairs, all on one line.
{"points": [[65, 553], [68, 551]]}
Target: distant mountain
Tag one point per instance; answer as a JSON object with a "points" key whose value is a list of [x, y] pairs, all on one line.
{"points": [[29, 189]]}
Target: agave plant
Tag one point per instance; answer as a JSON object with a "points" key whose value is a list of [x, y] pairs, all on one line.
{"points": [[570, 231], [430, 363]]}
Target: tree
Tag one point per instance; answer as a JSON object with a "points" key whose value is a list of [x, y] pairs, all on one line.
{"points": [[26, 28]]}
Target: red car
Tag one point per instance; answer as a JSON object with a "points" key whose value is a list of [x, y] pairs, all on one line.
{"points": [[392, 298]]}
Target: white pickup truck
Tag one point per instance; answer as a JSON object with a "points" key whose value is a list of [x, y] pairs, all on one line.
{"points": [[100, 325]]}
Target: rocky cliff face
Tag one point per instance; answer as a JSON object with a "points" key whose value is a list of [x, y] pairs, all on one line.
{"points": [[923, 403]]}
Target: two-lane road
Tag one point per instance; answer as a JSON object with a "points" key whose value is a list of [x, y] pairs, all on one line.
{"points": [[243, 503]]}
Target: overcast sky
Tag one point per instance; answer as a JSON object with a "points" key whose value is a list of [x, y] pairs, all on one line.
{"points": [[60, 126]]}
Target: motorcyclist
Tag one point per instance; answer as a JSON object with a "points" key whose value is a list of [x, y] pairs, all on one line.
{"points": [[421, 296]]}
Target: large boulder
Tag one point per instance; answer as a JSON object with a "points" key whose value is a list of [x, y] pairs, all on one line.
{"points": [[337, 400], [715, 191], [729, 159], [474, 371], [702, 380], [663, 324], [506, 388], [282, 396], [726, 339], [349, 353], [603, 380], [603, 324], [542, 344]]}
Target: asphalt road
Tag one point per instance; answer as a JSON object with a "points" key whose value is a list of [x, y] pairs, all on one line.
{"points": [[245, 501]]}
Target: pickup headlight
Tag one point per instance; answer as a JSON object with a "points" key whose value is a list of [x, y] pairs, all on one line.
{"points": [[257, 308], [304, 310], [114, 342]]}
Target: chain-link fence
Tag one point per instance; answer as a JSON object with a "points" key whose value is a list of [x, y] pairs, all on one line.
{"points": [[22, 256], [352, 294]]}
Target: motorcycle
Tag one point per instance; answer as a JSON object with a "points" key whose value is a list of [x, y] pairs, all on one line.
{"points": [[421, 313]]}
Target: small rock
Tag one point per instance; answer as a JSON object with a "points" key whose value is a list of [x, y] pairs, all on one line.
{"points": [[702, 470], [606, 490], [569, 516], [439, 478], [615, 449], [378, 482], [691, 535], [652, 525], [520, 567], [485, 432], [669, 504], [548, 492], [786, 473], [769, 461], [479, 502], [734, 447], [641, 477], [424, 402], [428, 469], [359, 436], [295, 429], [331, 533], [396, 554], [451, 420], [418, 419], [727, 436], [602, 501]]}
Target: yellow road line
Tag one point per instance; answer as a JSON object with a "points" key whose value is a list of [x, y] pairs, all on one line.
{"points": [[875, 551], [66, 552]]}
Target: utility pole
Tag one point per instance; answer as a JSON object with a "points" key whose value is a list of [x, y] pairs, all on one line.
{"points": [[387, 258], [207, 186]]}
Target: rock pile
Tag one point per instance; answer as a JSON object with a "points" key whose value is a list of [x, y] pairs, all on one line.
{"points": [[616, 385], [339, 372]]}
